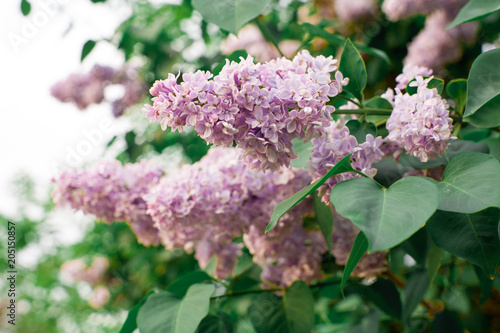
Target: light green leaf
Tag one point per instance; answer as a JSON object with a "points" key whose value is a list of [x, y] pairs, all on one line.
{"points": [[131, 322], [471, 182], [358, 250], [387, 217], [352, 66], [473, 237], [164, 312], [475, 10], [180, 286], [483, 91], [494, 146], [457, 89], [324, 218], [303, 152], [294, 313], [230, 15], [344, 165]]}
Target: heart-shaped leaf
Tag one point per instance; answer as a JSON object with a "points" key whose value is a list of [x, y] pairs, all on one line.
{"points": [[164, 312], [473, 237], [471, 182], [352, 66], [386, 216], [230, 15]]}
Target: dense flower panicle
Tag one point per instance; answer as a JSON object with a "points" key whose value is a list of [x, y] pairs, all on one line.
{"points": [[420, 123], [260, 107], [398, 9], [204, 206], [409, 73], [352, 10], [343, 236], [112, 192], [335, 145]]}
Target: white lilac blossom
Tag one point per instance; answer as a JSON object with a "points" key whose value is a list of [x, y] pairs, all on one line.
{"points": [[409, 73], [112, 192], [204, 206], [352, 10], [420, 123], [335, 145], [343, 236], [260, 107]]}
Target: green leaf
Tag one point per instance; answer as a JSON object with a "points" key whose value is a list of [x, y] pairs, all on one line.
{"points": [[358, 250], [344, 165], [339, 41], [457, 89], [416, 286], [303, 152], [324, 218], [360, 129], [131, 322], [471, 182], [417, 246], [387, 217], [234, 56], [294, 313], [164, 312], [25, 7], [433, 260], [485, 283], [383, 293], [180, 286], [475, 10], [473, 237], [352, 66], [456, 147], [447, 322], [220, 323], [433, 83], [230, 15], [483, 91], [494, 146], [87, 48]]}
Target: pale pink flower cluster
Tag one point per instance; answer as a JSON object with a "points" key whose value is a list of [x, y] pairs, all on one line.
{"points": [[352, 10], [76, 270]]}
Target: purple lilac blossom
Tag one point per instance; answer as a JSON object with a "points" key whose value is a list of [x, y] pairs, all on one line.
{"points": [[352, 10], [260, 107], [420, 123], [343, 236], [409, 73], [329, 149], [398, 9], [112, 192]]}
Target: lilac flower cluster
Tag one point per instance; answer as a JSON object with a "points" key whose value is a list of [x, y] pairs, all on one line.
{"points": [[260, 107], [409, 73], [204, 206], [420, 123], [86, 89], [343, 236], [335, 145], [352, 10], [112, 192]]}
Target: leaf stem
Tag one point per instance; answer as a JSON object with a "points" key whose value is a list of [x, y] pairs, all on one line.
{"points": [[349, 100]]}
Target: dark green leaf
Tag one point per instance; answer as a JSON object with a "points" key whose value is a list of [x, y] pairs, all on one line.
{"points": [[457, 89], [416, 286], [361, 129], [220, 323], [417, 246], [339, 41], [494, 146], [344, 165], [352, 66], [87, 48], [483, 91], [131, 322], [447, 322], [473, 237], [234, 56], [386, 216], [324, 218], [230, 15], [180, 286], [25, 7], [485, 283], [433, 260], [383, 294], [456, 147], [471, 182], [358, 250], [303, 152], [294, 313], [475, 10], [164, 312], [433, 83]]}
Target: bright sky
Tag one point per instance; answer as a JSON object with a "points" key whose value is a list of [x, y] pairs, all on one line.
{"points": [[37, 131]]}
